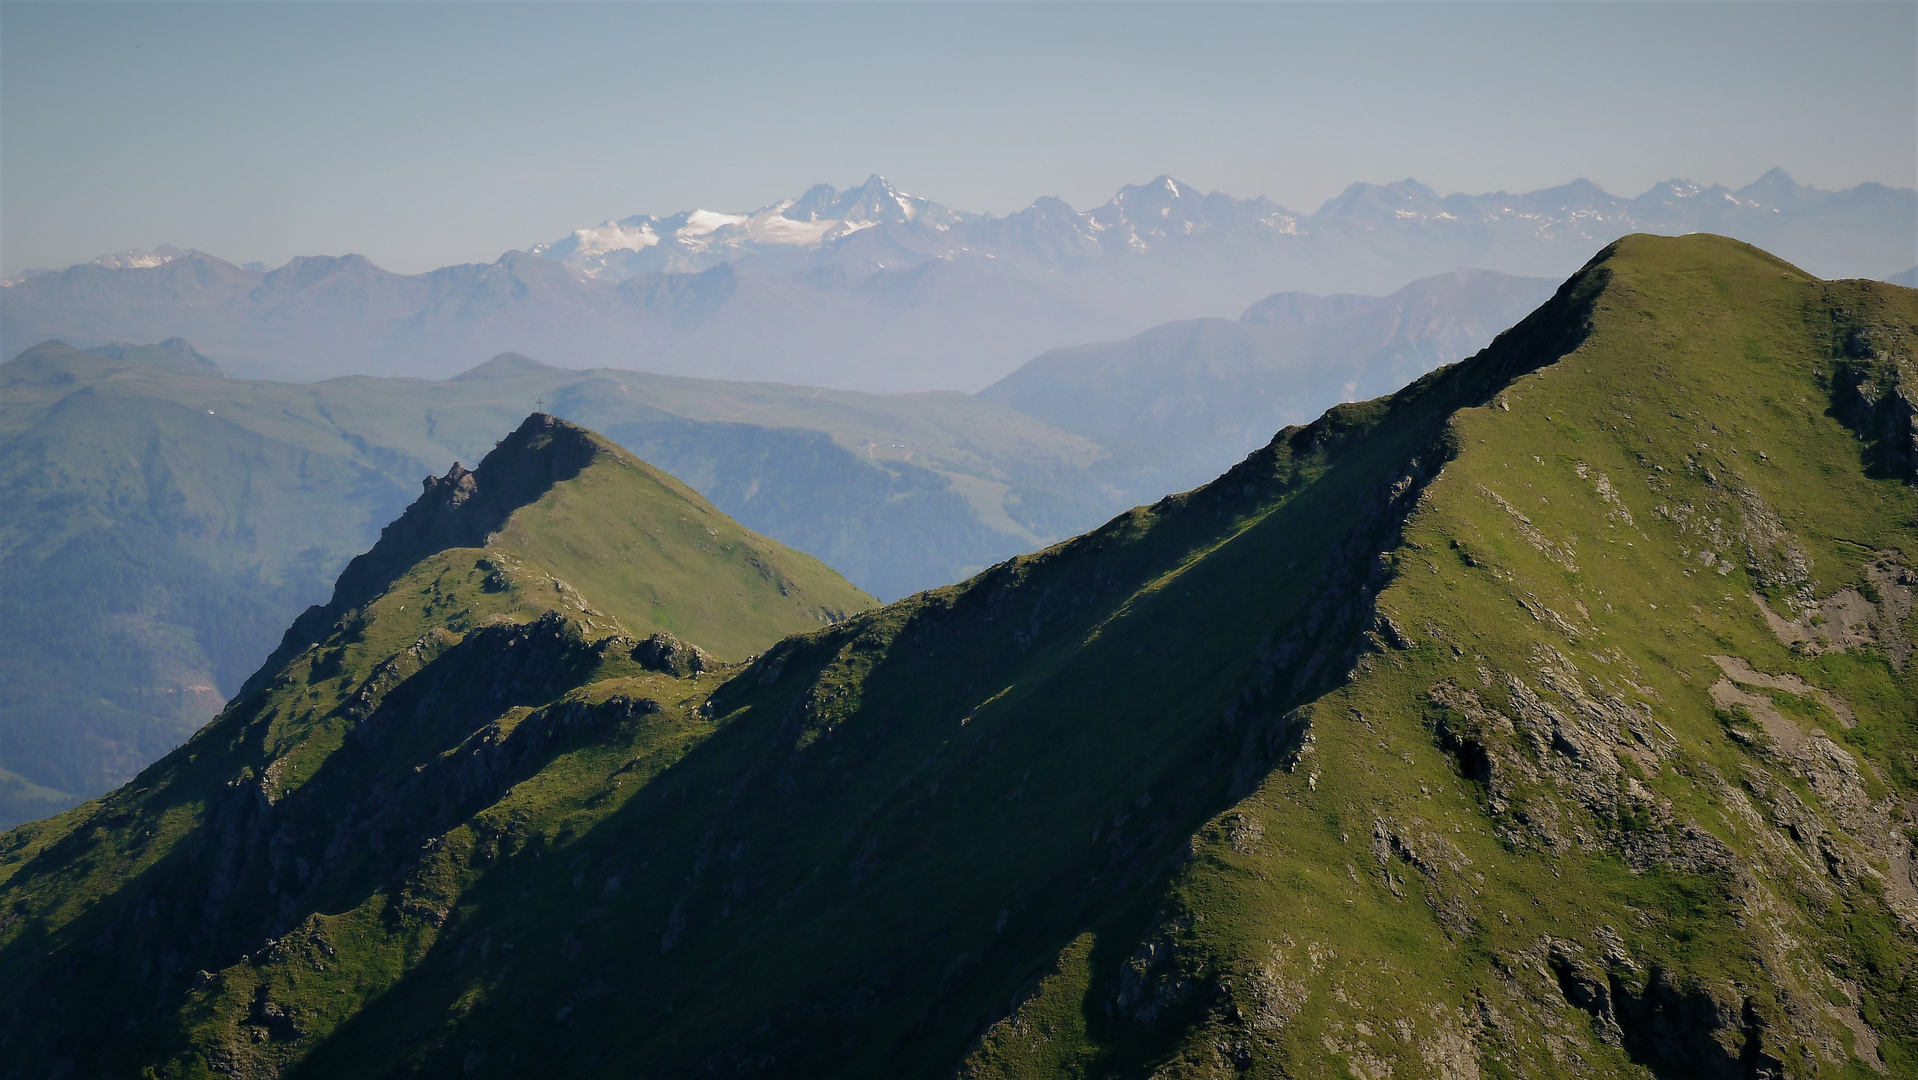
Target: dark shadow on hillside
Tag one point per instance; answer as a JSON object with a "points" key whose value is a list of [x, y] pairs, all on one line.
{"points": [[904, 820], [260, 863]]}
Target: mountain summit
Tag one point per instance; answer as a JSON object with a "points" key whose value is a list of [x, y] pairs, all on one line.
{"points": [[696, 240], [657, 555], [1549, 717]]}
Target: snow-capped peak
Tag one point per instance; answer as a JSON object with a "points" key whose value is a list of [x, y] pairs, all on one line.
{"points": [[1138, 218], [707, 222], [697, 239], [612, 236], [139, 258]]}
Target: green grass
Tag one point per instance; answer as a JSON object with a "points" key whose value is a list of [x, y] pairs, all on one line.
{"points": [[1166, 799]]}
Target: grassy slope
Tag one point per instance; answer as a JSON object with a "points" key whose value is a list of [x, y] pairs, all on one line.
{"points": [[844, 832], [1475, 856], [153, 552], [175, 521], [660, 558], [637, 553], [1385, 906]]}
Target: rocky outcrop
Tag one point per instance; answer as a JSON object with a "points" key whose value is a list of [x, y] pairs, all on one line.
{"points": [[461, 509], [1873, 386], [665, 653]]}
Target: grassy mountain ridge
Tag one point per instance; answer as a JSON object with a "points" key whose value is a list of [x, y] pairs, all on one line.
{"points": [[677, 565], [1628, 789], [170, 523], [457, 609], [737, 781], [1549, 717]]}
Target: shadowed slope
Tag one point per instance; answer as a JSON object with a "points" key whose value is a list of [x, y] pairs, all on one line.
{"points": [[389, 786], [1626, 790], [434, 646]]}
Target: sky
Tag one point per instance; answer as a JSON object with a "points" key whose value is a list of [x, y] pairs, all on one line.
{"points": [[426, 134]]}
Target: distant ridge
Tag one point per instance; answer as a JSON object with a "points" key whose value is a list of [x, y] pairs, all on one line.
{"points": [[1142, 217], [876, 289], [506, 366], [174, 354], [1185, 400]]}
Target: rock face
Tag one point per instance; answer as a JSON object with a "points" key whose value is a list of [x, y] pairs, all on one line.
{"points": [[668, 654], [1872, 385], [1551, 717]]}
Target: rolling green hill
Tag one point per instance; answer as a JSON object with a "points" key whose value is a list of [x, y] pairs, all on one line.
{"points": [[1551, 717]]}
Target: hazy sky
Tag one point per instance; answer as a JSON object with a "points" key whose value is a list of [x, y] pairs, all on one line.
{"points": [[426, 134]]}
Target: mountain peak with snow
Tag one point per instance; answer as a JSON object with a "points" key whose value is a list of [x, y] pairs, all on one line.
{"points": [[811, 230], [140, 258], [695, 240]]}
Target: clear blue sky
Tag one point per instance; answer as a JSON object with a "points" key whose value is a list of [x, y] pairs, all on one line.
{"points": [[426, 134]]}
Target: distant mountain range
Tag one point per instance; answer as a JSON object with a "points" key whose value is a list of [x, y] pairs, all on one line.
{"points": [[877, 290]]}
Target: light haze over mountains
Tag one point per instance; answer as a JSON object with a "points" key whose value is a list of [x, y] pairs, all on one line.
{"points": [[523, 571], [874, 289]]}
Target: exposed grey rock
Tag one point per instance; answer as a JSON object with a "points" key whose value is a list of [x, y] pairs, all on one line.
{"points": [[665, 653]]}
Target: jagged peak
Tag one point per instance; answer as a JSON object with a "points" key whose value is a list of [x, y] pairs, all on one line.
{"points": [[1157, 191], [460, 509], [1363, 199]]}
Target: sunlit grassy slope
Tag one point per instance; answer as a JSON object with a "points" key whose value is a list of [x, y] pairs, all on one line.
{"points": [[1551, 717], [655, 555]]}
